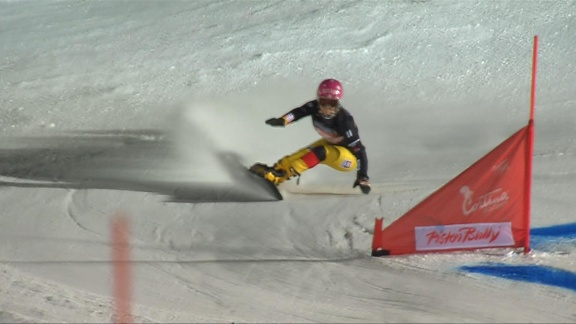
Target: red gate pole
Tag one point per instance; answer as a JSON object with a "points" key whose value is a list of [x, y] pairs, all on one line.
{"points": [[530, 150], [121, 269]]}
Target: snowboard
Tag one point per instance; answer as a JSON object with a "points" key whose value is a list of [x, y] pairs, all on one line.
{"points": [[247, 180], [269, 186]]}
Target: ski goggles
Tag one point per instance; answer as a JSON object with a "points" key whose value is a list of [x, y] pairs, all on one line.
{"points": [[333, 103]]}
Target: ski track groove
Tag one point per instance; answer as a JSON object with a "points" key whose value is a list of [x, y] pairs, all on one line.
{"points": [[69, 203], [188, 284]]}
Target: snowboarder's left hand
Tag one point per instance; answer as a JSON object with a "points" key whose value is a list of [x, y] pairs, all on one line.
{"points": [[275, 122], [364, 185]]}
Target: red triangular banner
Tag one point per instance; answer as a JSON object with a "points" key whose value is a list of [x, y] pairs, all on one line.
{"points": [[483, 207]]}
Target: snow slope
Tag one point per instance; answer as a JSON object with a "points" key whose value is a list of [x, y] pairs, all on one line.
{"points": [[140, 107]]}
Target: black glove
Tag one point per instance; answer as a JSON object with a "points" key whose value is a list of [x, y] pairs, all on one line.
{"points": [[275, 122], [364, 185]]}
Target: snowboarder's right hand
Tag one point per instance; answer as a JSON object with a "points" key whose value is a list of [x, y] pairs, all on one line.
{"points": [[364, 185], [275, 122]]}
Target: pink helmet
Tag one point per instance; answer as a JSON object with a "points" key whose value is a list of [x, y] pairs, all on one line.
{"points": [[330, 89]]}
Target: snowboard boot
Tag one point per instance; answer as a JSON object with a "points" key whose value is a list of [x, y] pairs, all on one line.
{"points": [[287, 167], [292, 166], [286, 172], [271, 174]]}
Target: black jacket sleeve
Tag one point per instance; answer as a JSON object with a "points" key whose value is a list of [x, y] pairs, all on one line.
{"points": [[293, 115], [360, 153], [352, 139]]}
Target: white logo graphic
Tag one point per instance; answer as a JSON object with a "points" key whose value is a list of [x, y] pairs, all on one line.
{"points": [[490, 201]]}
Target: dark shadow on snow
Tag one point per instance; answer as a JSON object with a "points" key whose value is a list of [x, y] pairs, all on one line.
{"points": [[140, 160]]}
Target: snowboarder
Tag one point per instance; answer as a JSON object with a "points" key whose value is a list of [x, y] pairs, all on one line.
{"points": [[339, 148]]}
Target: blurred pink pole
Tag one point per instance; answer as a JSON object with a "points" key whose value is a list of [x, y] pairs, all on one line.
{"points": [[122, 269]]}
